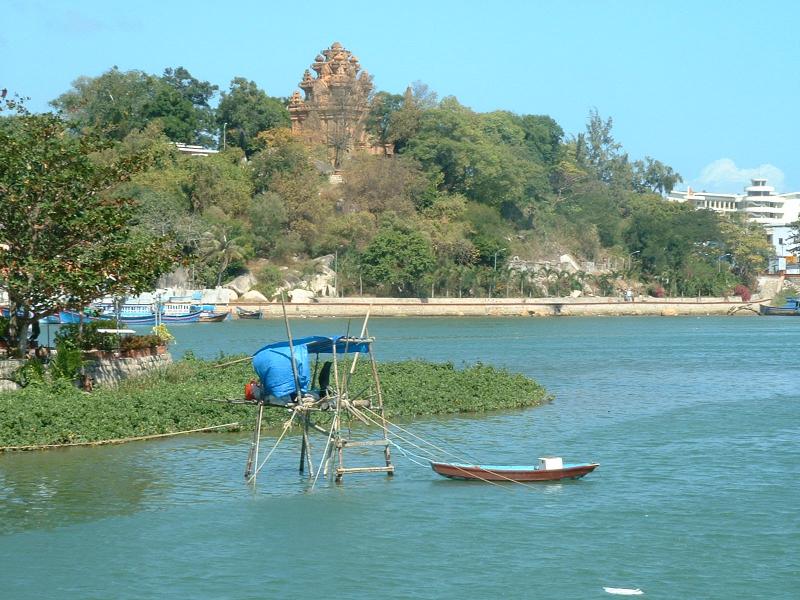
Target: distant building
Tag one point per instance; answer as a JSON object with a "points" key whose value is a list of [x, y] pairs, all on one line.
{"points": [[776, 212]]}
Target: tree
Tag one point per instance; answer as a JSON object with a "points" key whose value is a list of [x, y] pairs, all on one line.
{"points": [[219, 247], [794, 238], [652, 175], [599, 151], [245, 110], [66, 239], [117, 103], [397, 258]]}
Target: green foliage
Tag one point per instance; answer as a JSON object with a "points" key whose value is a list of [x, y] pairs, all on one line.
{"points": [[67, 362], [396, 258], [140, 342], [245, 110], [120, 102], [416, 387], [181, 398], [72, 238], [85, 336]]}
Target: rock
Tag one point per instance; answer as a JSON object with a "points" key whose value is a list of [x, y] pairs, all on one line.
{"points": [[669, 312], [575, 294], [301, 296], [242, 284], [6, 385], [218, 296], [253, 296]]}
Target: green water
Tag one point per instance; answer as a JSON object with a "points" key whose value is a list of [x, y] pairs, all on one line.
{"points": [[695, 422]]}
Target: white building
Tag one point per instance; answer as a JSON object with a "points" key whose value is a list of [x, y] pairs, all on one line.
{"points": [[776, 212]]}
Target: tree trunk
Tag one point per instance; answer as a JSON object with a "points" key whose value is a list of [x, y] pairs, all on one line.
{"points": [[17, 328]]}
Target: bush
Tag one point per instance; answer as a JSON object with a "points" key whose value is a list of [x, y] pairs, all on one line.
{"points": [[743, 291], [88, 338], [656, 291], [140, 342]]}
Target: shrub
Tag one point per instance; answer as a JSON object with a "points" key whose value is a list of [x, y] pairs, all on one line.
{"points": [[140, 342], [743, 291], [656, 291], [89, 338]]}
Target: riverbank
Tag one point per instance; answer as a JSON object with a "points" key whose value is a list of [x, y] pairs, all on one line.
{"points": [[496, 307], [190, 395]]}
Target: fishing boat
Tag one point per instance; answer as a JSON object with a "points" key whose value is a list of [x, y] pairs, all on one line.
{"points": [[248, 314], [212, 317], [180, 312], [790, 309], [548, 469]]}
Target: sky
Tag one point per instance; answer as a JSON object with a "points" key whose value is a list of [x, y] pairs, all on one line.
{"points": [[710, 88]]}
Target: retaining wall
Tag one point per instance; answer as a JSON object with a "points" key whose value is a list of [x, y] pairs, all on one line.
{"points": [[526, 307]]}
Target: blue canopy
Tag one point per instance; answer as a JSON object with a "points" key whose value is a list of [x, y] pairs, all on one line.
{"points": [[273, 362]]}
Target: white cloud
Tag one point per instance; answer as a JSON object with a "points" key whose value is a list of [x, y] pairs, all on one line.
{"points": [[725, 177]]}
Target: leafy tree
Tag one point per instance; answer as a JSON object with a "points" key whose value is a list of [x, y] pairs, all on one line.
{"points": [[66, 238], [117, 103], [746, 242], [794, 238], [396, 259], [383, 106], [601, 153], [654, 176], [245, 110]]}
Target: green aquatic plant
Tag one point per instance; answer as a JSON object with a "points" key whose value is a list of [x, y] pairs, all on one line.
{"points": [[190, 394]]}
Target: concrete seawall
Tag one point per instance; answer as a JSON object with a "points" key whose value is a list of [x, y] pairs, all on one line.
{"points": [[491, 307]]}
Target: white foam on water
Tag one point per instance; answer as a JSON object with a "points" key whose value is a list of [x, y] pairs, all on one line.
{"points": [[624, 591]]}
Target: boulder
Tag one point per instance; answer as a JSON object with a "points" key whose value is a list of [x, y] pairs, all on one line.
{"points": [[218, 296], [300, 296], [253, 296], [6, 385], [242, 284]]}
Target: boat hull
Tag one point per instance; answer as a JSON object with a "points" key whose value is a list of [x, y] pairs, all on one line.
{"points": [[248, 314], [500, 473], [213, 317], [779, 311]]}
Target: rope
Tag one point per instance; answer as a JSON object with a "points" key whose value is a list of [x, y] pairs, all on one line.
{"points": [[117, 440], [324, 455], [286, 427], [501, 475]]}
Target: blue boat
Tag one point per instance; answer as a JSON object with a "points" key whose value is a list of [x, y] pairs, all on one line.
{"points": [[790, 309]]}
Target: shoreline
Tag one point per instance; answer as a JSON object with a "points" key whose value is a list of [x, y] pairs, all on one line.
{"points": [[498, 307]]}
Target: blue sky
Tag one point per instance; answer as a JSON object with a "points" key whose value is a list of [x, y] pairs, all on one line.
{"points": [[708, 87]]}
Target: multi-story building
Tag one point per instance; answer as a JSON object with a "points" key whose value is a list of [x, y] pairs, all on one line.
{"points": [[776, 212]]}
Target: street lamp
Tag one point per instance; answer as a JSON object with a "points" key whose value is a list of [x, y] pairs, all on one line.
{"points": [[719, 262], [494, 281], [630, 258], [495, 256]]}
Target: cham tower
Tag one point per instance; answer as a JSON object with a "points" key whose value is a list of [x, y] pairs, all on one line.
{"points": [[335, 107]]}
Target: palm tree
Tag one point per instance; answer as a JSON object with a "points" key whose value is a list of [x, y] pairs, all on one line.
{"points": [[218, 246]]}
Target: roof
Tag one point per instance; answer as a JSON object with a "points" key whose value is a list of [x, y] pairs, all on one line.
{"points": [[320, 344]]}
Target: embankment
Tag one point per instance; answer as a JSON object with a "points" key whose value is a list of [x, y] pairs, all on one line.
{"points": [[495, 307]]}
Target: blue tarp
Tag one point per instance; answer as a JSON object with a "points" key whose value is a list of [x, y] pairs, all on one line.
{"points": [[273, 362]]}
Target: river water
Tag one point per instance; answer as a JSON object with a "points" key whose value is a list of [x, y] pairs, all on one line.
{"points": [[695, 422]]}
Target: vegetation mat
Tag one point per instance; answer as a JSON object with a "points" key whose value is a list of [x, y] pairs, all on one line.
{"points": [[190, 395]]}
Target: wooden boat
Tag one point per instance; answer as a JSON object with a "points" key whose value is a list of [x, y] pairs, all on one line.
{"points": [[511, 473], [212, 317], [790, 309], [248, 314]]}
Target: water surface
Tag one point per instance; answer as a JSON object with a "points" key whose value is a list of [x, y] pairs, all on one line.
{"points": [[693, 420]]}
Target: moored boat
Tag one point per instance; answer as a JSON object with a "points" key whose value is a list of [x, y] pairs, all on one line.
{"points": [[212, 317], [790, 309], [248, 314], [549, 469]]}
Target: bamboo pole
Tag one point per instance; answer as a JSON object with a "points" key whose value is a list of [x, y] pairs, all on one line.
{"points": [[252, 455], [387, 453], [304, 449], [140, 438]]}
